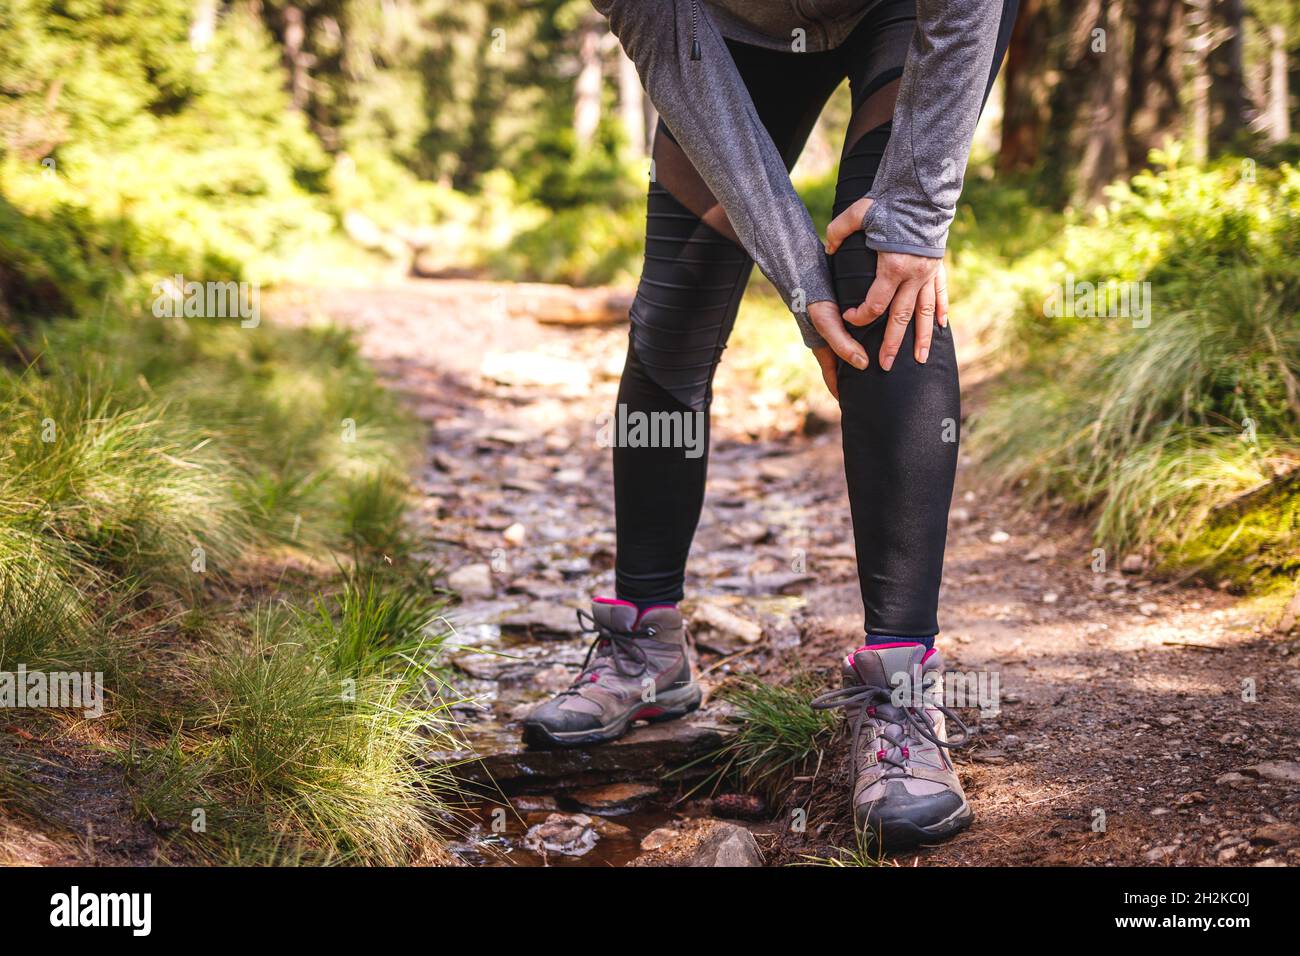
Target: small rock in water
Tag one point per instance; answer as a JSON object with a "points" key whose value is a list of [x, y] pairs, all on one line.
{"points": [[527, 804], [541, 621], [566, 835], [615, 796], [471, 581]]}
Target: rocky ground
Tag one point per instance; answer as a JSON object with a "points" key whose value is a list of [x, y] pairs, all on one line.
{"points": [[1141, 722]]}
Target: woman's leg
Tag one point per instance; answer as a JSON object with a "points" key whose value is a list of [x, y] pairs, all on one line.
{"points": [[900, 428], [694, 276]]}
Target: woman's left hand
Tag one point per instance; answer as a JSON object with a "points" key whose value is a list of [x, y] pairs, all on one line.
{"points": [[908, 286]]}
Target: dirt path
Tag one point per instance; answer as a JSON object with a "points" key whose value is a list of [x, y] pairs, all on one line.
{"points": [[1127, 734]]}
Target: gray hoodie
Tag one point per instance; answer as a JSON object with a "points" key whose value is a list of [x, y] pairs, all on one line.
{"points": [[705, 103]]}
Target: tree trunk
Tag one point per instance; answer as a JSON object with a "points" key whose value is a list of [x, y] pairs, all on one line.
{"points": [[1027, 88], [296, 58], [1229, 104], [587, 89], [1198, 47], [203, 27], [631, 105], [1103, 156], [1154, 112], [1278, 119]]}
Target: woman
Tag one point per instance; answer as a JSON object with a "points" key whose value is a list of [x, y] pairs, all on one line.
{"points": [[739, 85]]}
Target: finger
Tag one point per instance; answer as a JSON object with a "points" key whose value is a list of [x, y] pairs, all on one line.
{"points": [[882, 292], [844, 345], [827, 360], [941, 295], [841, 227], [925, 308], [900, 317], [845, 224]]}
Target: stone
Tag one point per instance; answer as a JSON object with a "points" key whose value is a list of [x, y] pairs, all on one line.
{"points": [[732, 625], [705, 843], [541, 621], [473, 581], [616, 796], [535, 369], [643, 755], [515, 534], [728, 845], [659, 838], [1277, 771], [1272, 834], [1041, 552], [999, 537], [1133, 564], [567, 835], [1158, 853], [1233, 779]]}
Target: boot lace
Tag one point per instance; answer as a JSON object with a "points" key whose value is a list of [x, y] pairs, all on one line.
{"points": [[869, 706], [625, 656]]}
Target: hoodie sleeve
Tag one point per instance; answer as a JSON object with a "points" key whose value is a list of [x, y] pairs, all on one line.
{"points": [[706, 105], [945, 80]]}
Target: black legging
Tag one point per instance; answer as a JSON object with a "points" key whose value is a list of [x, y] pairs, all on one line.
{"points": [[899, 428]]}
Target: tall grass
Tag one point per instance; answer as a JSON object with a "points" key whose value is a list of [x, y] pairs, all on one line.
{"points": [[1157, 430], [149, 466], [774, 735]]}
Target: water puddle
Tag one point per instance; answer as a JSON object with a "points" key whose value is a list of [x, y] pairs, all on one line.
{"points": [[510, 835]]}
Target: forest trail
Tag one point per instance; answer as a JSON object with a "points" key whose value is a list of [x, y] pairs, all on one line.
{"points": [[1127, 732]]}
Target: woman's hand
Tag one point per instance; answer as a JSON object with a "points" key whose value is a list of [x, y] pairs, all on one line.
{"points": [[826, 319], [906, 285]]}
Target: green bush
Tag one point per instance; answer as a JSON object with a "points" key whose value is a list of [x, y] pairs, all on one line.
{"points": [[1157, 422]]}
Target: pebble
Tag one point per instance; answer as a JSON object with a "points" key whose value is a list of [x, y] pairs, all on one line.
{"points": [[471, 581], [1158, 853], [1278, 771]]}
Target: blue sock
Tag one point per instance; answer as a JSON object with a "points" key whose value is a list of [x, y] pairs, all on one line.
{"points": [[927, 642]]}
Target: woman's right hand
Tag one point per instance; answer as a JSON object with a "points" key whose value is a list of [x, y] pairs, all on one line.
{"points": [[826, 319]]}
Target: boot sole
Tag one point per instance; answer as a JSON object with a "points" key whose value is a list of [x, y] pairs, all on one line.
{"points": [[668, 705], [896, 835]]}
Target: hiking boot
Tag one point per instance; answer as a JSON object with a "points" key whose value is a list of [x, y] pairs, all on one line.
{"points": [[905, 789], [637, 668]]}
